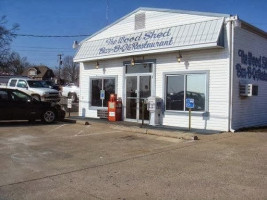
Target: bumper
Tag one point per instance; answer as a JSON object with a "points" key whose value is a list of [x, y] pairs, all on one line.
{"points": [[50, 99]]}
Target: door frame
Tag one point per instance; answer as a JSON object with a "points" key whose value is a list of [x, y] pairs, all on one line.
{"points": [[153, 85]]}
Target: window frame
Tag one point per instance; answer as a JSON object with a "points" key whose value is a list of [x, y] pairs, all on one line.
{"points": [[185, 73], [91, 107]]}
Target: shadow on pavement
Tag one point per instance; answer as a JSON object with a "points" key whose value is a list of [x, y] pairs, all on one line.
{"points": [[23, 123]]}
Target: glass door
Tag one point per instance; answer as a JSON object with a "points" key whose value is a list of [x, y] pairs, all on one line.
{"points": [[131, 97], [138, 88], [144, 92]]}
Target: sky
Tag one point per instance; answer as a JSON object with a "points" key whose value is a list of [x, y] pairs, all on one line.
{"points": [[85, 17]]}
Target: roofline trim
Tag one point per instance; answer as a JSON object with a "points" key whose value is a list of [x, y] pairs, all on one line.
{"points": [[253, 29], [155, 9]]}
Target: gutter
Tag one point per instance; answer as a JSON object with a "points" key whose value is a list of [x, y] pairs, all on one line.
{"points": [[232, 20]]}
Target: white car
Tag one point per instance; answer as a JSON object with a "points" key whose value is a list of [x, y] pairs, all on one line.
{"points": [[71, 91]]}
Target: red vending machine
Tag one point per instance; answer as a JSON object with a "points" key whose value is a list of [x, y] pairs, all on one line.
{"points": [[114, 108]]}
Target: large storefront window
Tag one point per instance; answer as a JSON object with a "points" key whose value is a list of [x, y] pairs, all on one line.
{"points": [[105, 84], [182, 86]]}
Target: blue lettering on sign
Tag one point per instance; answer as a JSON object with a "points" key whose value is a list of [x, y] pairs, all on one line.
{"points": [[254, 69], [141, 41]]}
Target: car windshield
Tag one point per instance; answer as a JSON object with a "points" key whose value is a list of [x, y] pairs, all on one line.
{"points": [[35, 84], [45, 84]]}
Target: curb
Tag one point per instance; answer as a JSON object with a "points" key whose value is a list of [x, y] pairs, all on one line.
{"points": [[164, 133], [69, 120]]}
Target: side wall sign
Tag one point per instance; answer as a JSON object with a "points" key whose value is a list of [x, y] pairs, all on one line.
{"points": [[251, 66]]}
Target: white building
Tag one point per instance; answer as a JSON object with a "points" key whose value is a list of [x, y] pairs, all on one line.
{"points": [[218, 60]]}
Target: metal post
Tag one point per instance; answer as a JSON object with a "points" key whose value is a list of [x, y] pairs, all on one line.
{"points": [[189, 119], [143, 110]]}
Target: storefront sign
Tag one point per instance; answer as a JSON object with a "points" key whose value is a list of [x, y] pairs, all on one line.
{"points": [[139, 41], [251, 66], [202, 34]]}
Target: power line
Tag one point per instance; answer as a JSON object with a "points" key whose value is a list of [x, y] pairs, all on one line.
{"points": [[49, 36], [39, 47], [48, 51]]}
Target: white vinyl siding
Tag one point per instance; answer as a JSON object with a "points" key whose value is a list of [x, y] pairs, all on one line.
{"points": [[111, 68], [249, 111], [217, 63]]}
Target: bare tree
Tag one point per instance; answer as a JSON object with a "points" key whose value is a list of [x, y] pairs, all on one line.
{"points": [[10, 63], [6, 37], [16, 64], [70, 70]]}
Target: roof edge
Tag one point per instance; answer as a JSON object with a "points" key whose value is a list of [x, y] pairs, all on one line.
{"points": [[253, 29], [184, 12], [159, 10]]}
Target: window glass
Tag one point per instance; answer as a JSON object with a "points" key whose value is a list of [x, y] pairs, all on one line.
{"points": [[19, 96], [36, 84], [194, 86], [106, 84], [139, 68], [22, 84], [109, 87], [96, 87], [12, 83], [3, 96], [196, 89], [175, 93], [145, 87]]}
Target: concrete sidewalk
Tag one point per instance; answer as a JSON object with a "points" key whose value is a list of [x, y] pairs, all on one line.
{"points": [[166, 131]]}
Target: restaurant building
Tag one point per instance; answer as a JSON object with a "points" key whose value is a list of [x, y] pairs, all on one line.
{"points": [[217, 60]]}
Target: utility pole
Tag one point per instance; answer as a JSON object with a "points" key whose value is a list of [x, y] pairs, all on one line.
{"points": [[60, 64]]}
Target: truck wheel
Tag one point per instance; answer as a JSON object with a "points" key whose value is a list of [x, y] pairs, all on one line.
{"points": [[73, 97], [49, 116], [36, 96]]}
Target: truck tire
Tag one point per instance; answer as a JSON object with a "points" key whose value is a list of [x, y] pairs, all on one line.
{"points": [[73, 97], [36, 96], [49, 116]]}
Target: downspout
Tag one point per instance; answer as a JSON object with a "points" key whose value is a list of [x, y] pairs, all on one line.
{"points": [[232, 21]]}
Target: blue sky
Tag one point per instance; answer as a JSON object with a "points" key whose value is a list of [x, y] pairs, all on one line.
{"points": [[85, 17]]}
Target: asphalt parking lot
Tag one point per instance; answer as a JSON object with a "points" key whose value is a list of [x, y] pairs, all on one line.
{"points": [[73, 161]]}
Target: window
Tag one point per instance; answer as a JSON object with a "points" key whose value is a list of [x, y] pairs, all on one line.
{"points": [[107, 85], [19, 96], [12, 83], [140, 21], [182, 86], [139, 68], [3, 96], [22, 84], [35, 84]]}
